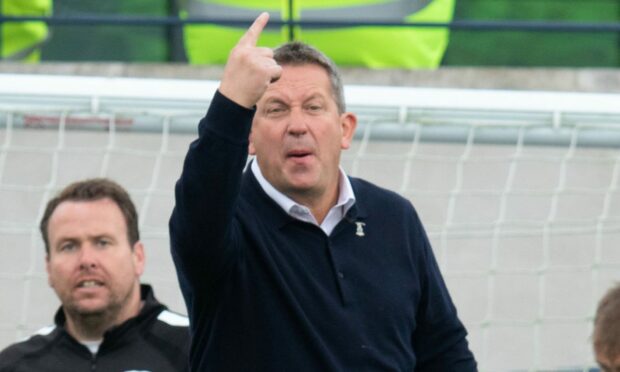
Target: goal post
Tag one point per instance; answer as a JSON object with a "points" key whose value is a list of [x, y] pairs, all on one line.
{"points": [[519, 193]]}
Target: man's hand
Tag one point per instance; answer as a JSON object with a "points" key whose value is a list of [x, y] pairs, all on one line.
{"points": [[249, 69]]}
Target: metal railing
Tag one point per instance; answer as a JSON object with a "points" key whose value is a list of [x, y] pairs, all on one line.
{"points": [[469, 25]]}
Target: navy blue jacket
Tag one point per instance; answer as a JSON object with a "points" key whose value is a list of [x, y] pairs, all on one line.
{"points": [[266, 292]]}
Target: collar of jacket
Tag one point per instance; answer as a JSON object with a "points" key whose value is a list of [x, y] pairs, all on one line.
{"points": [[150, 309]]}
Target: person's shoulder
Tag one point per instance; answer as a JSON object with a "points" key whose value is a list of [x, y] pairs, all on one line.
{"points": [[33, 347], [369, 192], [169, 334], [173, 319], [379, 203], [171, 327]]}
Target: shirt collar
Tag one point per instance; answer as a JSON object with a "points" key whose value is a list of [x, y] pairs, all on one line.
{"points": [[346, 197]]}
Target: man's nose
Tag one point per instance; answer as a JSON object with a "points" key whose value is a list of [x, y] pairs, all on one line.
{"points": [[88, 257], [297, 125]]}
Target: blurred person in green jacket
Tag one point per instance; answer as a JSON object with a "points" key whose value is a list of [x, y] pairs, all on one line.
{"points": [[362, 46], [21, 41]]}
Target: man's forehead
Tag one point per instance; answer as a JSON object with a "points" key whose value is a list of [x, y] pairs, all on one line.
{"points": [[72, 212], [299, 82], [302, 74], [71, 208]]}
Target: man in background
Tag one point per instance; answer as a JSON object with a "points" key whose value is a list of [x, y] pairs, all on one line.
{"points": [[606, 336], [107, 321]]}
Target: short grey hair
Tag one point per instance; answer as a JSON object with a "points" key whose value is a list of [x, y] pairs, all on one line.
{"points": [[296, 54]]}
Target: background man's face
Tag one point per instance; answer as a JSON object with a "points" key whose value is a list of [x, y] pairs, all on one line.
{"points": [[91, 265]]}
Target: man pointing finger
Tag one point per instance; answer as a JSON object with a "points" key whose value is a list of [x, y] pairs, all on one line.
{"points": [[291, 265]]}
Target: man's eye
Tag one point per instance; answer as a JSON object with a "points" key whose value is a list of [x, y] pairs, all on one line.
{"points": [[103, 242], [67, 247], [275, 110], [314, 108]]}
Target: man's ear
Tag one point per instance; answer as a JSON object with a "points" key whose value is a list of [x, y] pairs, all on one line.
{"points": [[348, 123], [251, 148], [50, 282], [138, 258]]}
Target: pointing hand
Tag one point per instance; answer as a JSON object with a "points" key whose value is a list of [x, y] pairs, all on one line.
{"points": [[249, 68]]}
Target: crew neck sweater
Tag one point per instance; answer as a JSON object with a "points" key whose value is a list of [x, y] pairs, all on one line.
{"points": [[268, 292]]}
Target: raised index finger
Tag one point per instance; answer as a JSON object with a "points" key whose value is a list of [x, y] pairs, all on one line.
{"points": [[250, 38]]}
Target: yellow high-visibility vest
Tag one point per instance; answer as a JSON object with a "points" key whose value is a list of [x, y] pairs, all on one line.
{"points": [[21, 40], [372, 47]]}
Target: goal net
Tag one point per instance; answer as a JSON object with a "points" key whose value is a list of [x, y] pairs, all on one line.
{"points": [[519, 193]]}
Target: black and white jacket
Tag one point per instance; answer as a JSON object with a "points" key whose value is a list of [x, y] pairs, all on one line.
{"points": [[155, 340]]}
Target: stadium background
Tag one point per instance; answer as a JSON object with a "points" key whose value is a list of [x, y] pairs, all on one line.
{"points": [[466, 48], [515, 60]]}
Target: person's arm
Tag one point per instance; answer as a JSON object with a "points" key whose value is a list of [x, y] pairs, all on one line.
{"points": [[202, 222], [440, 340]]}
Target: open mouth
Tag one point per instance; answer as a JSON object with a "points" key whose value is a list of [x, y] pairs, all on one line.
{"points": [[299, 154], [90, 284]]}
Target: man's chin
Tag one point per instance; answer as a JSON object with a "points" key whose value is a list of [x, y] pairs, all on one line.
{"points": [[89, 308], [299, 190], [302, 182]]}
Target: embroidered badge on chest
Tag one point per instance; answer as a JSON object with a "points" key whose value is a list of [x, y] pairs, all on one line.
{"points": [[360, 228]]}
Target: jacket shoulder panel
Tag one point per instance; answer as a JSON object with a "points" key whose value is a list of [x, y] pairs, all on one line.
{"points": [[32, 348]]}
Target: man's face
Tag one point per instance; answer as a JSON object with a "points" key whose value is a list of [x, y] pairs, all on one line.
{"points": [[91, 265], [608, 364], [298, 133]]}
